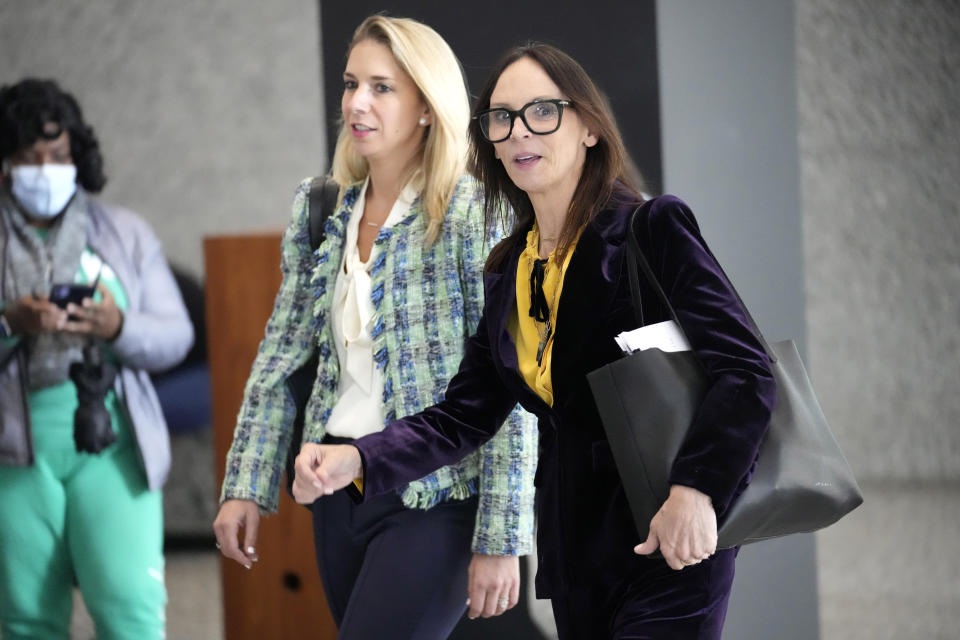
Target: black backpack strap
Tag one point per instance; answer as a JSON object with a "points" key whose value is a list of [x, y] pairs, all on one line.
{"points": [[322, 201]]}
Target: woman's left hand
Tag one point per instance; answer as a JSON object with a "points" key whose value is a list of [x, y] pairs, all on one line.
{"points": [[100, 319], [493, 585], [685, 529]]}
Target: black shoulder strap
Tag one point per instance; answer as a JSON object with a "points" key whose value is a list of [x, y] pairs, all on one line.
{"points": [[635, 257], [323, 199]]}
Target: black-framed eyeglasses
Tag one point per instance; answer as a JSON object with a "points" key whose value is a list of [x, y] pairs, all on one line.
{"points": [[540, 117]]}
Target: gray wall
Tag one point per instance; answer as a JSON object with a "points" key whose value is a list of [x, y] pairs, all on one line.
{"points": [[879, 130], [209, 113], [728, 119], [878, 87]]}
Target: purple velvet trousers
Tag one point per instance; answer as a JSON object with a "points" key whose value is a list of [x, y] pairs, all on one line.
{"points": [[657, 603]]}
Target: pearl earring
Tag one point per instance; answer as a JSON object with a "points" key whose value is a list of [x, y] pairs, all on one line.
{"points": [[423, 121]]}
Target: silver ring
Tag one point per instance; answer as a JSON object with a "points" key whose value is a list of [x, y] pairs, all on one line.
{"points": [[502, 603]]}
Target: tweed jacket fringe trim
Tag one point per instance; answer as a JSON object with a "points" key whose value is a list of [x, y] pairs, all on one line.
{"points": [[428, 300]]}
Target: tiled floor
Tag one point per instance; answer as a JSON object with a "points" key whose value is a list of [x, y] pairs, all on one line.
{"points": [[890, 570]]}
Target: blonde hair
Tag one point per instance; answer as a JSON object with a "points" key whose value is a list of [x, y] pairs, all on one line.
{"points": [[433, 67]]}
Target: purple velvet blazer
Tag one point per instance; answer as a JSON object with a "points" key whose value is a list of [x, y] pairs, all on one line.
{"points": [[585, 530]]}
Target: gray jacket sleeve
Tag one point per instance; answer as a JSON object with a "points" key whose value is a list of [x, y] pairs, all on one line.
{"points": [[156, 332]]}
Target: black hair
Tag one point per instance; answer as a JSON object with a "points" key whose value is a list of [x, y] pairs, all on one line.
{"points": [[27, 107]]}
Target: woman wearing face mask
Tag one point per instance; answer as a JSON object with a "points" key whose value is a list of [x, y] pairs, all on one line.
{"points": [[389, 298], [557, 293], [83, 443]]}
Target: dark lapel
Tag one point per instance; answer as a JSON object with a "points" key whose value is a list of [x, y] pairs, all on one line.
{"points": [[589, 287], [500, 296], [500, 293]]}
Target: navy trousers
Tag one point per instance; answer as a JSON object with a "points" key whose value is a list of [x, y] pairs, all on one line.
{"points": [[393, 572], [653, 603]]}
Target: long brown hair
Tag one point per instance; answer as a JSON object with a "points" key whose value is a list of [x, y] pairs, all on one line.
{"points": [[606, 163]]}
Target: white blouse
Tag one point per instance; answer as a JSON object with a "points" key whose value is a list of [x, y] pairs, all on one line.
{"points": [[359, 407]]}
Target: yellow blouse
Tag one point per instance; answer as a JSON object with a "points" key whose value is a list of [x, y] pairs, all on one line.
{"points": [[525, 330]]}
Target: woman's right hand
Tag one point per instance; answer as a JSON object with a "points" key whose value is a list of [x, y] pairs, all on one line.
{"points": [[321, 469], [31, 315], [234, 515]]}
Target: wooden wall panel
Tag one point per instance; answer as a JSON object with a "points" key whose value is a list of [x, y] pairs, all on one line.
{"points": [[281, 597]]}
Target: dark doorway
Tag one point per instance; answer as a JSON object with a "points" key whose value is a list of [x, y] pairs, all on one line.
{"points": [[615, 42]]}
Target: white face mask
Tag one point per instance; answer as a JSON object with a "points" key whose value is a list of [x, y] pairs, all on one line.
{"points": [[43, 190]]}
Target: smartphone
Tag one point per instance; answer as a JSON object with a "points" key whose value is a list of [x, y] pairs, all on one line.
{"points": [[62, 294]]}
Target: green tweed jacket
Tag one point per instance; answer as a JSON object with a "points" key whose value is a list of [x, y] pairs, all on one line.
{"points": [[428, 301]]}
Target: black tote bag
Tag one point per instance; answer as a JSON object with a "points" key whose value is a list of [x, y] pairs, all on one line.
{"points": [[647, 401]]}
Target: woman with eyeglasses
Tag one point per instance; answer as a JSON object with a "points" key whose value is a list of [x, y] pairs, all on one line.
{"points": [[545, 143], [388, 299]]}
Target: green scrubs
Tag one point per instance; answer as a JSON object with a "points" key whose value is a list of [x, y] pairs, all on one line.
{"points": [[80, 518]]}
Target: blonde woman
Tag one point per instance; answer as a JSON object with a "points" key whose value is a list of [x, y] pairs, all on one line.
{"points": [[388, 299]]}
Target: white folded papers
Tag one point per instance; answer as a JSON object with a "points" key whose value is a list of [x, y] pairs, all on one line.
{"points": [[665, 336]]}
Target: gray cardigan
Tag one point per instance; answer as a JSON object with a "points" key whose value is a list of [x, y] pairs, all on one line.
{"points": [[156, 334]]}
